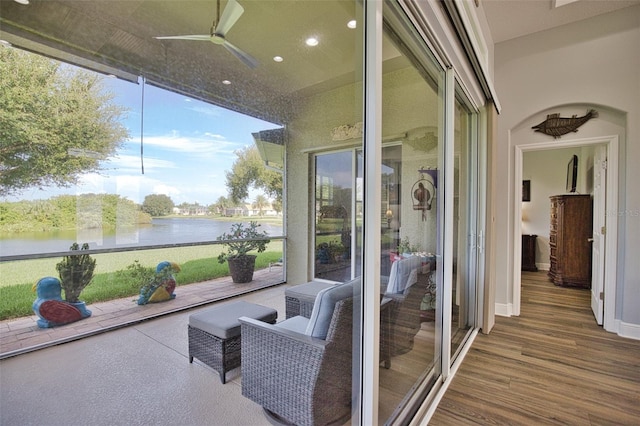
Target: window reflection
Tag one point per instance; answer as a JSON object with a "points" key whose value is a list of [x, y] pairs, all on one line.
{"points": [[334, 182], [463, 289], [411, 157]]}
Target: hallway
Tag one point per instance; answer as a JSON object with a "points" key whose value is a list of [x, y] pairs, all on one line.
{"points": [[551, 365]]}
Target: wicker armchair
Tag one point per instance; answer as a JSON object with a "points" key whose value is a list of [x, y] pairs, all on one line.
{"points": [[298, 378], [406, 293]]}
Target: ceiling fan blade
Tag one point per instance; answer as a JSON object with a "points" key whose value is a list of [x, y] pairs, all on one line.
{"points": [[232, 12], [247, 59], [185, 37]]}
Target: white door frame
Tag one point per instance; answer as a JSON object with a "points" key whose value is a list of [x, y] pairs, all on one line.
{"points": [[599, 231], [611, 237]]}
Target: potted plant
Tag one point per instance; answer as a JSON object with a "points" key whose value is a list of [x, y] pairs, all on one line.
{"points": [[405, 247], [76, 272], [240, 240]]}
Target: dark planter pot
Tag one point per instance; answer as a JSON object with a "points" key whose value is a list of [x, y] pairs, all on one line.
{"points": [[241, 268]]}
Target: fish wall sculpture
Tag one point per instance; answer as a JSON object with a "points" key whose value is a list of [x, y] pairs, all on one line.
{"points": [[557, 126]]}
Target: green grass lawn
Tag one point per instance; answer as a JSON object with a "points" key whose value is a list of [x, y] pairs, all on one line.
{"points": [[113, 279]]}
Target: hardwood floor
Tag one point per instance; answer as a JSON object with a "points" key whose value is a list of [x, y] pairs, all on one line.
{"points": [[551, 365]]}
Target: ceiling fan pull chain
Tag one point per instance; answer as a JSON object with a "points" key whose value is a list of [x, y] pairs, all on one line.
{"points": [[142, 128], [217, 18]]}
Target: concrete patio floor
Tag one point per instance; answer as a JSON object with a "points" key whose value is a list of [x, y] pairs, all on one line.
{"points": [[137, 374]]}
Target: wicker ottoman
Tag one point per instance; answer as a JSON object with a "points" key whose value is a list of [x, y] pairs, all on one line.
{"points": [[214, 334], [299, 299]]}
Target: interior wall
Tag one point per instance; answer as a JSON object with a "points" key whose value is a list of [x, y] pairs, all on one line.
{"points": [[547, 172], [589, 64]]}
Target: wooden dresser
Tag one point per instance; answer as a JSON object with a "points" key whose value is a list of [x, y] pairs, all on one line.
{"points": [[570, 240]]}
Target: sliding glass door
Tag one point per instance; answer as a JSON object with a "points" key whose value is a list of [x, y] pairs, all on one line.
{"points": [[412, 227], [429, 196], [335, 197], [465, 234]]}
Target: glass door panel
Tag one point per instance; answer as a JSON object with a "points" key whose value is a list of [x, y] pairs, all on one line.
{"points": [[463, 301], [412, 160], [334, 196]]}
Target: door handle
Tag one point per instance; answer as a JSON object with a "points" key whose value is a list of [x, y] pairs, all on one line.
{"points": [[590, 240]]}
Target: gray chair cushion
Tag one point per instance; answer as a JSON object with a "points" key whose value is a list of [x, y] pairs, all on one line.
{"points": [[404, 274], [298, 324], [222, 321], [323, 308]]}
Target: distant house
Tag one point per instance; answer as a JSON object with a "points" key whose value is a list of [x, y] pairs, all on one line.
{"points": [[249, 210], [236, 211], [266, 211], [191, 210]]}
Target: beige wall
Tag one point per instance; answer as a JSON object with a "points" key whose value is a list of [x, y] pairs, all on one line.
{"points": [[316, 117], [547, 171], [407, 106], [593, 63]]}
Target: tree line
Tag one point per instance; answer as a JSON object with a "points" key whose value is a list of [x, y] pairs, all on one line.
{"points": [[86, 211], [162, 205]]}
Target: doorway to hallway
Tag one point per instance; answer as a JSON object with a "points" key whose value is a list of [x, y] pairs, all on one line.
{"points": [[598, 178]]}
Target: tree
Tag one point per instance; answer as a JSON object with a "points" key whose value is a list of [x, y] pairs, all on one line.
{"points": [[221, 204], [57, 122], [249, 171], [157, 205], [276, 206], [260, 203]]}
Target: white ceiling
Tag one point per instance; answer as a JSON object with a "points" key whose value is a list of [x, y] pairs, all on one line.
{"points": [[119, 35], [510, 19]]}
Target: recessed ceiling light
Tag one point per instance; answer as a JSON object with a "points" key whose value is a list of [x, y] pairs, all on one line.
{"points": [[22, 1], [312, 41], [278, 58], [352, 24], [227, 82]]}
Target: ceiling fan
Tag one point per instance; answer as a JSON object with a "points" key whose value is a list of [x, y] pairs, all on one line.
{"points": [[219, 29]]}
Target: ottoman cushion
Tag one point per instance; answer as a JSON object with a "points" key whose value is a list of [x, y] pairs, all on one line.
{"points": [[222, 321], [307, 292]]}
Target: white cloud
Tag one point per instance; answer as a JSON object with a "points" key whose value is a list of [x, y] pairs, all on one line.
{"points": [[91, 183], [190, 145], [168, 190], [131, 163], [206, 110], [214, 135]]}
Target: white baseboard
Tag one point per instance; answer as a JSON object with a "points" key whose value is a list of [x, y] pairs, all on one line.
{"points": [[630, 331], [543, 266], [504, 309]]}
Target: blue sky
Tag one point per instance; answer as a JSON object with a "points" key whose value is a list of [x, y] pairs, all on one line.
{"points": [[188, 147]]}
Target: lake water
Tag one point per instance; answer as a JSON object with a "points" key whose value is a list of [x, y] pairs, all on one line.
{"points": [[161, 231]]}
